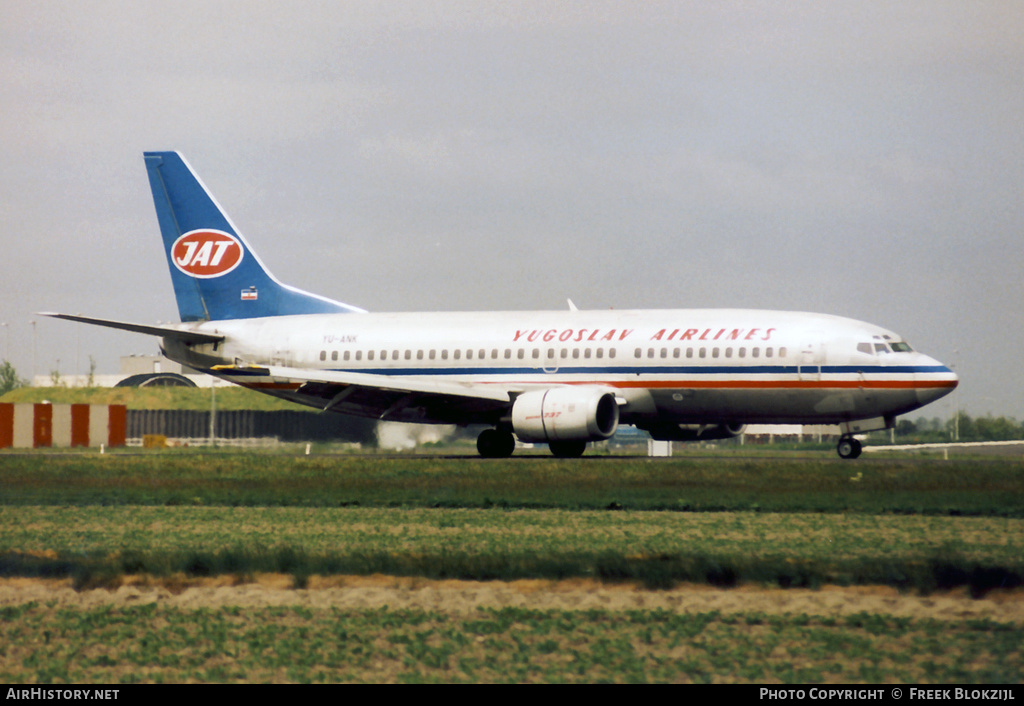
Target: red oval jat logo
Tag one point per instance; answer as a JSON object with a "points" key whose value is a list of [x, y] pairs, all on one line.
{"points": [[206, 253]]}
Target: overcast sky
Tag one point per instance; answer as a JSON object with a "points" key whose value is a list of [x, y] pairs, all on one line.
{"points": [[863, 159]]}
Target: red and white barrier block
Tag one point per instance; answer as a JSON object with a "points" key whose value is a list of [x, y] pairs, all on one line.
{"points": [[28, 426]]}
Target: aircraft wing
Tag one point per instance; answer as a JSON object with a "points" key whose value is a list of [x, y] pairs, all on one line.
{"points": [[395, 397]]}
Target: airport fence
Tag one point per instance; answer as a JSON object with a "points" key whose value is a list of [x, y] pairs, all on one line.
{"points": [[190, 426]]}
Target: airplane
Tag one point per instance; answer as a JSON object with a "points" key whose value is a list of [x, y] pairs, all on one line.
{"points": [[564, 378]]}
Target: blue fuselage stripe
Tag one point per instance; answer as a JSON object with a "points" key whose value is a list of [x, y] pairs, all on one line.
{"points": [[658, 370]]}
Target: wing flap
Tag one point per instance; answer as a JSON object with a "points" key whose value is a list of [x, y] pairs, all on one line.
{"points": [[391, 383], [335, 383], [395, 397]]}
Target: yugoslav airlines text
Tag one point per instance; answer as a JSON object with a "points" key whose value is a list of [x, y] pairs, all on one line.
{"points": [[677, 334]]}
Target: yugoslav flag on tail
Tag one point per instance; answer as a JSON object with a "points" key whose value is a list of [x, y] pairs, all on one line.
{"points": [[216, 274]]}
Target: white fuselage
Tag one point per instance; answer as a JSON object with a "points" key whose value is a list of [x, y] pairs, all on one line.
{"points": [[565, 378], [679, 366]]}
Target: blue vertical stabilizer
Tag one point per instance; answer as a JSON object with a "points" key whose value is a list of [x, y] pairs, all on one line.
{"points": [[216, 274]]}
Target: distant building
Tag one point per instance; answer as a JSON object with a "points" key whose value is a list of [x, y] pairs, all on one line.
{"points": [[767, 433], [148, 364], [136, 371]]}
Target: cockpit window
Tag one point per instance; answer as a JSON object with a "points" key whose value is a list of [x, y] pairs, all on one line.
{"points": [[878, 347]]}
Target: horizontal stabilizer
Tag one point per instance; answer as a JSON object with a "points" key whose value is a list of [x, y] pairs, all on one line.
{"points": [[164, 331]]}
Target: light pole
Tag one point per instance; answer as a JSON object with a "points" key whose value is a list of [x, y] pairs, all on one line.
{"points": [[33, 322]]}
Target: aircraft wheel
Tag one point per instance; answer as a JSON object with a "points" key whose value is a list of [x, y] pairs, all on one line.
{"points": [[849, 448], [567, 449], [494, 443]]}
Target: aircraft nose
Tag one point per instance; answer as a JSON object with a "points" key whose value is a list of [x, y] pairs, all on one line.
{"points": [[935, 381]]}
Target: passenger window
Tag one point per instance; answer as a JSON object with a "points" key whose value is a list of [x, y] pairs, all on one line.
{"points": [[638, 353], [782, 352], [323, 355], [600, 352], [728, 352], [348, 355]]}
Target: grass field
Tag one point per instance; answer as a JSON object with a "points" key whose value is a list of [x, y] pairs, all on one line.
{"points": [[94, 545], [991, 487], [921, 526], [295, 644]]}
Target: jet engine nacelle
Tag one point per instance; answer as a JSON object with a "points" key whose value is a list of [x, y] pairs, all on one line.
{"points": [[565, 414], [695, 432]]}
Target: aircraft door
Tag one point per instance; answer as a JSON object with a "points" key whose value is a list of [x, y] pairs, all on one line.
{"points": [[551, 360], [812, 353], [282, 357]]}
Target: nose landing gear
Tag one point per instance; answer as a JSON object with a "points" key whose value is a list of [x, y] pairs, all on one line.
{"points": [[849, 447]]}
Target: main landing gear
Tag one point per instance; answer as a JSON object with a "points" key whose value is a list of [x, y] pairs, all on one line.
{"points": [[849, 447], [495, 443], [499, 443], [567, 449]]}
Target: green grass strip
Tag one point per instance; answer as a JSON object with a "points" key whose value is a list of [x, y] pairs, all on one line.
{"points": [[993, 488], [163, 644], [657, 572]]}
